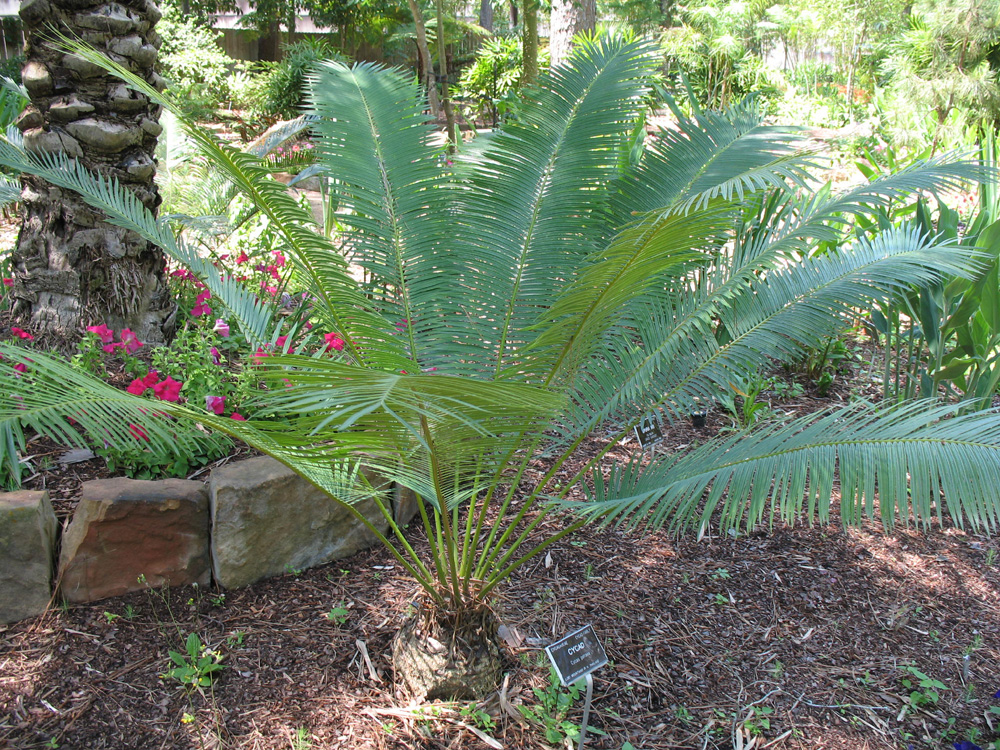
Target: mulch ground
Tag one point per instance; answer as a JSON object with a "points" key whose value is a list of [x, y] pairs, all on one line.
{"points": [[798, 638]]}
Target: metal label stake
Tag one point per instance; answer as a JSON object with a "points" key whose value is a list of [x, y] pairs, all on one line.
{"points": [[577, 656]]}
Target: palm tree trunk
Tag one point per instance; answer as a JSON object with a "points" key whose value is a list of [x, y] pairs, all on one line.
{"points": [[72, 267], [449, 113]]}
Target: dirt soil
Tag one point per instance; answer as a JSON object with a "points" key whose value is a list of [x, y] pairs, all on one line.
{"points": [[794, 639]]}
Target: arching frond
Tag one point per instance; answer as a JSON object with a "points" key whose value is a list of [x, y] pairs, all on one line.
{"points": [[901, 464]]}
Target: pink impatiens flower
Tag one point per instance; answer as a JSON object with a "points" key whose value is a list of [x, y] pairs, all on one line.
{"points": [[151, 378], [237, 417], [333, 341], [168, 390], [137, 387], [221, 328], [21, 333], [216, 404], [200, 307], [243, 258], [105, 334], [21, 367], [8, 282], [130, 342]]}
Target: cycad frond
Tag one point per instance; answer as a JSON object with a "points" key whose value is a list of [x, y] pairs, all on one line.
{"points": [[374, 141], [672, 354], [535, 202], [918, 461]]}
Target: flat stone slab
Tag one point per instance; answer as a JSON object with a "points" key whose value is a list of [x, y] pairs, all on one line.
{"points": [[27, 548], [127, 528], [267, 520]]}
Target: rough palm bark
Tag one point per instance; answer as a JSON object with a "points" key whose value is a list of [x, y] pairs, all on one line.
{"points": [[71, 267], [569, 18]]}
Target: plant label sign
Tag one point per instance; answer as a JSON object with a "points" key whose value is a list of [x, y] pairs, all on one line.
{"points": [[647, 432], [576, 655]]}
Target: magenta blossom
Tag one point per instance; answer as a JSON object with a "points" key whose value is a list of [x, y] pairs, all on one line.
{"points": [[168, 390], [130, 342], [238, 417], [334, 341], [216, 357], [221, 328], [105, 334], [216, 404]]}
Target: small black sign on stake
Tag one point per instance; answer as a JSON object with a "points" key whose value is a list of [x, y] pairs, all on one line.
{"points": [[576, 656], [647, 432]]}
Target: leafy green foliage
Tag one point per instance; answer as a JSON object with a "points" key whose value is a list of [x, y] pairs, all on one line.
{"points": [[283, 90], [552, 711], [195, 668]]}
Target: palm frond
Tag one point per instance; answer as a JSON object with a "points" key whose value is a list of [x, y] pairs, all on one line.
{"points": [[122, 208], [673, 354], [915, 462]]}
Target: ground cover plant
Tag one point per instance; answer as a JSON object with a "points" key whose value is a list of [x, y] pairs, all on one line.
{"points": [[557, 279]]}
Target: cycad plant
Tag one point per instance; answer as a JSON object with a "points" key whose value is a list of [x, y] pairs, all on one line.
{"points": [[565, 276]]}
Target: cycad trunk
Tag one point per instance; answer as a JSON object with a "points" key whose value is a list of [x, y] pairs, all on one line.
{"points": [[71, 267]]}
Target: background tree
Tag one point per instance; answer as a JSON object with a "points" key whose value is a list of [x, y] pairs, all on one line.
{"points": [[569, 18], [71, 267], [945, 64]]}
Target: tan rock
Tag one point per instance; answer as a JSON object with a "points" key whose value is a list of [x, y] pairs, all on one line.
{"points": [[267, 520], [27, 546]]}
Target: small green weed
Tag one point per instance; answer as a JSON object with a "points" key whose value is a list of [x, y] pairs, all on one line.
{"points": [[923, 692], [758, 720], [476, 716], [552, 712], [197, 667], [338, 614]]}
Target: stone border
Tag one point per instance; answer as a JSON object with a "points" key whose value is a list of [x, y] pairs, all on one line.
{"points": [[253, 519]]}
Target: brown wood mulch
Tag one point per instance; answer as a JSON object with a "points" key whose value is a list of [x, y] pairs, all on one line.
{"points": [[799, 638]]}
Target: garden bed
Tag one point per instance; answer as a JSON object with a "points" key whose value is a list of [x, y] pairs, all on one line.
{"points": [[802, 638]]}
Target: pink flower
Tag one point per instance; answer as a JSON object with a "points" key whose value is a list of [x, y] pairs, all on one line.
{"points": [[151, 378], [8, 282], [203, 297], [333, 341], [137, 387], [110, 348], [259, 355], [243, 258], [221, 328], [215, 404], [216, 357], [102, 332], [198, 310], [279, 259], [130, 342], [273, 270], [168, 390], [21, 367], [237, 417], [21, 333], [137, 432]]}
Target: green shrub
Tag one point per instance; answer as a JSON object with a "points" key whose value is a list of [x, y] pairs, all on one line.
{"points": [[490, 85], [283, 87], [199, 73]]}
